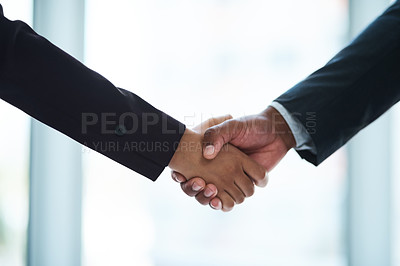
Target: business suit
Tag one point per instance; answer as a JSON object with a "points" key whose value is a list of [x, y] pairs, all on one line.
{"points": [[53, 87], [352, 90]]}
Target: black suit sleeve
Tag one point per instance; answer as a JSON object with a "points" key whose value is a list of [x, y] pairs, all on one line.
{"points": [[53, 87], [357, 86]]}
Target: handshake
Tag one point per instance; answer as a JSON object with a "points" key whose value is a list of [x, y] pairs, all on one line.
{"points": [[220, 160]]}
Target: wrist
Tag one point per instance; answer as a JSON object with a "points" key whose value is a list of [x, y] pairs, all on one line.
{"points": [[279, 127], [187, 156]]}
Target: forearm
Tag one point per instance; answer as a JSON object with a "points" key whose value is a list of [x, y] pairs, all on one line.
{"points": [[53, 87]]}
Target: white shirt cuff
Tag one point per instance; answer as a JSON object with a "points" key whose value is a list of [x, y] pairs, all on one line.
{"points": [[301, 136]]}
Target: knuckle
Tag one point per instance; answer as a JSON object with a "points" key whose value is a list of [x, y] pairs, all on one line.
{"points": [[230, 168], [209, 134], [198, 180], [212, 188]]}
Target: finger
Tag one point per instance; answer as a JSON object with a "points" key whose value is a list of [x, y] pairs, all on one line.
{"points": [[207, 194], [216, 203], [178, 177], [246, 185], [236, 193], [211, 122], [193, 186], [227, 201], [256, 172], [268, 160], [215, 137]]}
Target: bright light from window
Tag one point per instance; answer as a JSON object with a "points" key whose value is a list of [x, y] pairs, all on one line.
{"points": [[193, 59], [14, 164]]}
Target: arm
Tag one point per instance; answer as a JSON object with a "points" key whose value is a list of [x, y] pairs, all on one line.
{"points": [[53, 87], [357, 86], [352, 90], [48, 84]]}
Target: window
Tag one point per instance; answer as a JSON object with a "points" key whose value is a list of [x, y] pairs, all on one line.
{"points": [[396, 185], [14, 165], [194, 59]]}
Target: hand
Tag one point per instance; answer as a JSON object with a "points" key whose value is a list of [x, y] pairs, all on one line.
{"points": [[204, 193], [265, 137], [232, 172]]}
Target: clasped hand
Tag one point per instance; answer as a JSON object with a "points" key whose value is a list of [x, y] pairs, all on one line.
{"points": [[221, 160]]}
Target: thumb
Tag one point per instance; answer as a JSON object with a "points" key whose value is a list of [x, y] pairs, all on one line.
{"points": [[217, 136]]}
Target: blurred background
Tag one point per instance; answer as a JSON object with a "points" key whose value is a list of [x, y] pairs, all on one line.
{"points": [[63, 204]]}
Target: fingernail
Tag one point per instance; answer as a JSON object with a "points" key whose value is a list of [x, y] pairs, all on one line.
{"points": [[196, 187], [180, 179], [176, 178], [209, 150], [208, 193], [217, 206]]}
